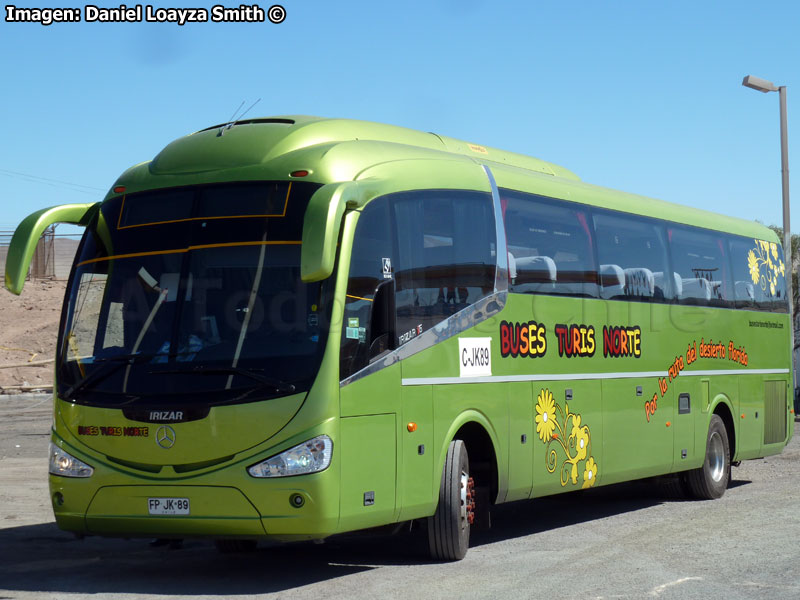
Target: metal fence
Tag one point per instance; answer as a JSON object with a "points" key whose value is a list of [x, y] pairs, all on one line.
{"points": [[53, 257]]}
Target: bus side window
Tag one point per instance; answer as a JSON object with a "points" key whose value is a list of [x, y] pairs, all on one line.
{"points": [[759, 274], [634, 249], [550, 243], [446, 256], [372, 248], [701, 260]]}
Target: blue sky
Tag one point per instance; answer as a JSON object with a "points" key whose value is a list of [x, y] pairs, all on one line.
{"points": [[640, 96]]}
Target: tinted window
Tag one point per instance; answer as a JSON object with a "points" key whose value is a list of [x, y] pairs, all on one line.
{"points": [[699, 259], [269, 199], [250, 199], [759, 274], [560, 247], [372, 244], [213, 310], [549, 246], [633, 258], [160, 206], [446, 256]]}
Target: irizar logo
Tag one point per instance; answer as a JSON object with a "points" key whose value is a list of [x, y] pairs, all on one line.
{"points": [[166, 415]]}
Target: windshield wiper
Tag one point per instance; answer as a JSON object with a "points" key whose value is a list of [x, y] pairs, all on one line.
{"points": [[113, 364], [281, 386]]}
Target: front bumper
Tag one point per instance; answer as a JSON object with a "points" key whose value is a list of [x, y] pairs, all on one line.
{"points": [[225, 502]]}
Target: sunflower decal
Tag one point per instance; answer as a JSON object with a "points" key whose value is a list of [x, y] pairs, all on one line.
{"points": [[765, 267], [545, 415], [565, 452], [752, 264]]}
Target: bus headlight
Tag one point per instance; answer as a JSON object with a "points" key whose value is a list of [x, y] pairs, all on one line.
{"points": [[309, 457], [66, 465]]}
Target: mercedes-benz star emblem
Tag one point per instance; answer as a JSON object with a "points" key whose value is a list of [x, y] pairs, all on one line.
{"points": [[165, 437]]}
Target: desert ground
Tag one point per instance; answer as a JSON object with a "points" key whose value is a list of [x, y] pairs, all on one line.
{"points": [[28, 330]]}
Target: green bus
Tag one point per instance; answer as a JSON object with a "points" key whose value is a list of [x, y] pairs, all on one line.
{"points": [[288, 328]]}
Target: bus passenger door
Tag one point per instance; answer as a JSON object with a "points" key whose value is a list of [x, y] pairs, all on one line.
{"points": [[368, 449], [369, 390]]}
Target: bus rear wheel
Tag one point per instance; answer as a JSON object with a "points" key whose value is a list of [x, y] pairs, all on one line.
{"points": [[449, 527], [711, 480]]}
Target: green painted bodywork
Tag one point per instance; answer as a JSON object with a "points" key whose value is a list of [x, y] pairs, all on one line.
{"points": [[600, 411], [27, 234]]}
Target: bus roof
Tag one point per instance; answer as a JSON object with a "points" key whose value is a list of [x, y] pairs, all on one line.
{"points": [[335, 150], [262, 140]]}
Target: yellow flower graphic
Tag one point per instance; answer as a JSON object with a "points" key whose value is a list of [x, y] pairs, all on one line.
{"points": [[581, 442], [752, 264], [764, 271], [574, 473], [545, 415], [590, 473], [565, 453], [576, 425]]}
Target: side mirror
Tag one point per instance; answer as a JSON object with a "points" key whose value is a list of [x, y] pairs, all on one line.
{"points": [[27, 234]]}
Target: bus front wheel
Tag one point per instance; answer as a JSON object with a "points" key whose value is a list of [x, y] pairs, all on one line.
{"points": [[711, 480], [449, 527]]}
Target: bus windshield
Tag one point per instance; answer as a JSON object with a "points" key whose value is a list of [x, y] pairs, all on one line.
{"points": [[198, 301]]}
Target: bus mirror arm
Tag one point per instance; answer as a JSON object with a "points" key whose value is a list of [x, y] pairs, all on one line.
{"points": [[321, 226], [322, 222], [26, 237]]}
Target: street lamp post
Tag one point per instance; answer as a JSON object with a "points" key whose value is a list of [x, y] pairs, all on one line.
{"points": [[762, 85]]}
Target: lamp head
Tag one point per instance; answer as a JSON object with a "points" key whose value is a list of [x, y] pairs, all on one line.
{"points": [[756, 83]]}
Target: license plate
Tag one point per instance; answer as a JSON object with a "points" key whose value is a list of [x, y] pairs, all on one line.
{"points": [[168, 506]]}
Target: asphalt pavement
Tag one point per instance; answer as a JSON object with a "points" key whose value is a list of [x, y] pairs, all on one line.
{"points": [[622, 541]]}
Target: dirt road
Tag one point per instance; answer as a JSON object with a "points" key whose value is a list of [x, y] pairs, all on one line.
{"points": [[28, 331]]}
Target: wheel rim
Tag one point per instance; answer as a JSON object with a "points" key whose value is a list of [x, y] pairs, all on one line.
{"points": [[464, 483], [467, 514], [716, 457]]}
